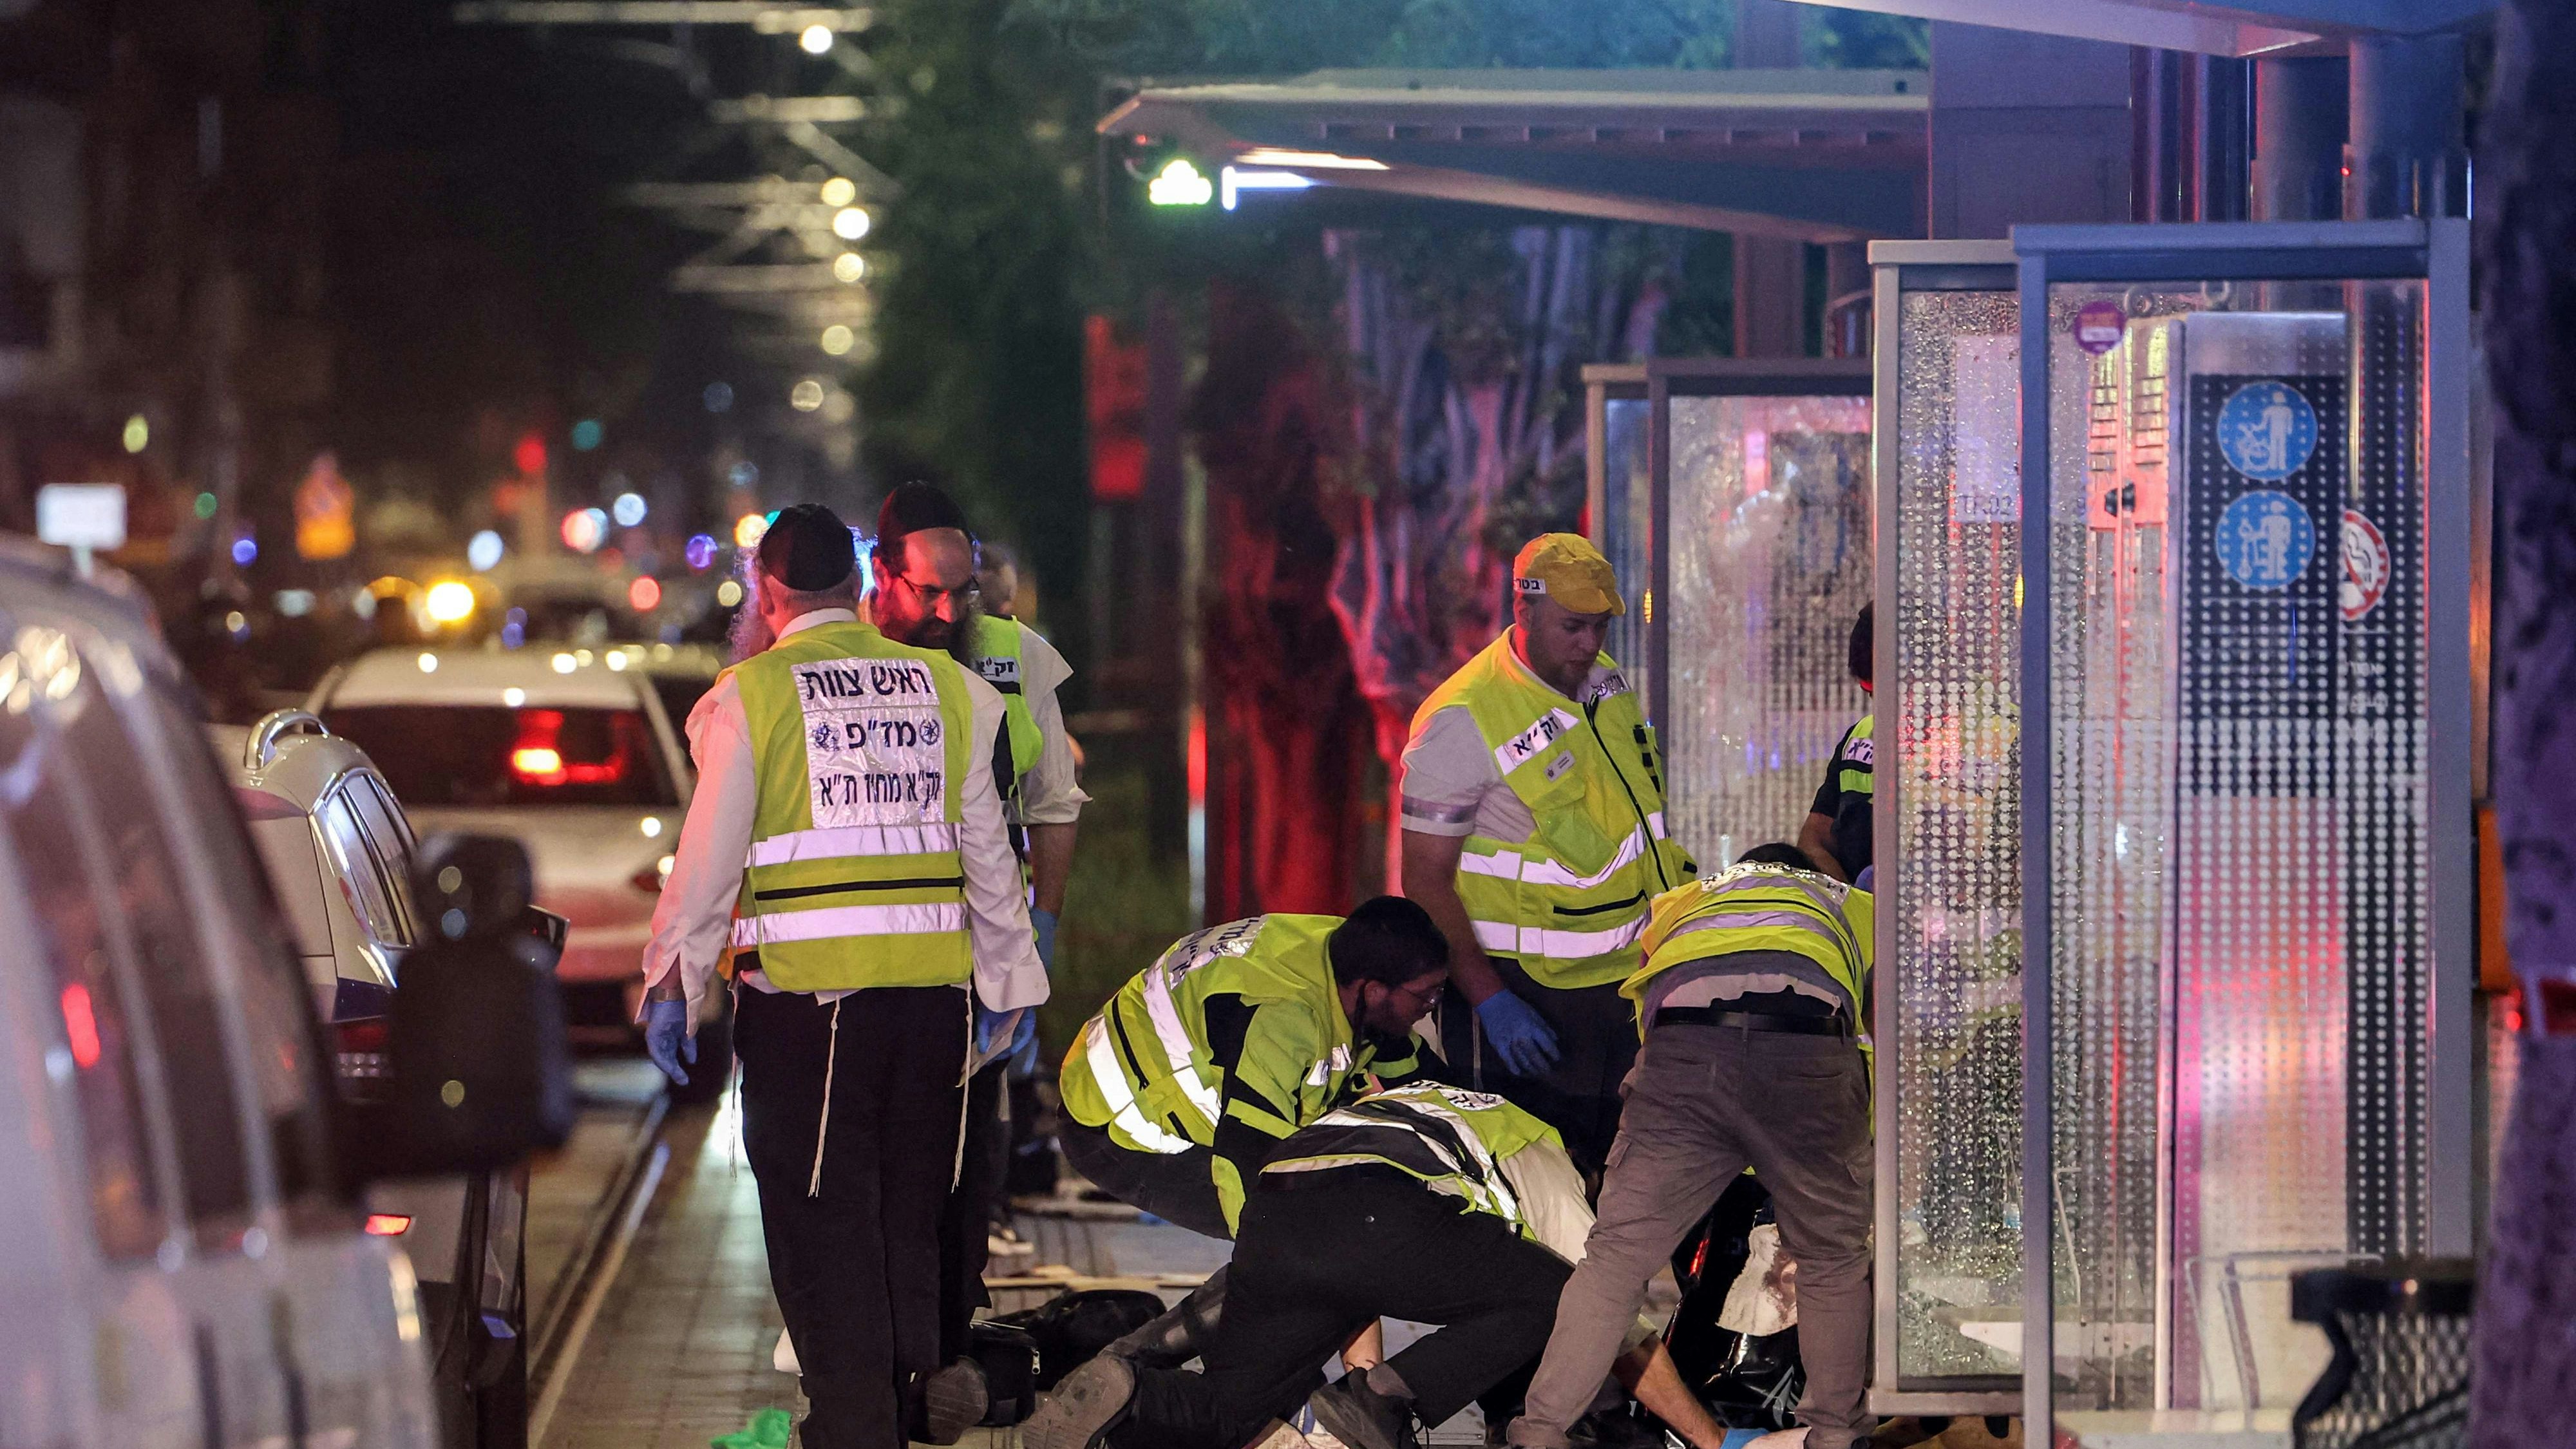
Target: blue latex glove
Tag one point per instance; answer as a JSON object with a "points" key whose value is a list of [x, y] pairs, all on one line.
{"points": [[988, 1028], [667, 1039], [1521, 1037], [1043, 922]]}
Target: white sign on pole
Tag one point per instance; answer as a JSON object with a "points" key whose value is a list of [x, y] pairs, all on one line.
{"points": [[81, 515]]}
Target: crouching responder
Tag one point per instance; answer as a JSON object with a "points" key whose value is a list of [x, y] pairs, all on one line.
{"points": [[847, 839], [1750, 1003], [1427, 1203], [1240, 1034], [1533, 821]]}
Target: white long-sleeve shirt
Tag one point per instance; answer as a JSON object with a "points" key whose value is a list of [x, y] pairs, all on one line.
{"points": [[693, 923]]}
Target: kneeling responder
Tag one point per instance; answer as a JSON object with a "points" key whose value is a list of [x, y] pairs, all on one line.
{"points": [[1186, 1081], [1750, 1003], [1533, 821], [1426, 1203], [847, 839]]}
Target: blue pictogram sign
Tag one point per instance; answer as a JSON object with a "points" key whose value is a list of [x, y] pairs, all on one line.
{"points": [[2267, 430], [2265, 539]]}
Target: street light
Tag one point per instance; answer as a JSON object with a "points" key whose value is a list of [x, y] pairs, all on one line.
{"points": [[849, 223]]}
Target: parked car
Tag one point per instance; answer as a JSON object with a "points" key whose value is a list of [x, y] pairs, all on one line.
{"points": [[180, 1259], [570, 750], [338, 852]]}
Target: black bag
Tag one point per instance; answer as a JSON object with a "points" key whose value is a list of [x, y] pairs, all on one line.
{"points": [[1071, 1329], [1009, 1358], [1746, 1382]]}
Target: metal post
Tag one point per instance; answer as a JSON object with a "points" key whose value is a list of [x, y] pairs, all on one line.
{"points": [[2039, 1272], [1886, 468], [2299, 118], [1659, 533], [2454, 1150], [2407, 157]]}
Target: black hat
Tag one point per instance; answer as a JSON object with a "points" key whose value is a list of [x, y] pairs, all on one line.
{"points": [[808, 548], [916, 508]]}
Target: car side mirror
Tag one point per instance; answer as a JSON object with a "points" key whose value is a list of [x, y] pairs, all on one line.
{"points": [[481, 1075]]}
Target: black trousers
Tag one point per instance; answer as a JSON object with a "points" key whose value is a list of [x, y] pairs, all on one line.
{"points": [[965, 1227], [1325, 1256], [1177, 1187], [1596, 1042], [852, 1255]]}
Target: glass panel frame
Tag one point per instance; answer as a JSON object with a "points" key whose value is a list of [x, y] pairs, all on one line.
{"points": [[1946, 1005], [1642, 531], [2117, 262]]}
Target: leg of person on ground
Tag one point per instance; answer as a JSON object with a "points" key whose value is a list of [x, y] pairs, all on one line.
{"points": [[1670, 1161]]}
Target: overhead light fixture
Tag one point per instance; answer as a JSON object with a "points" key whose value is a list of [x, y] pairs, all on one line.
{"points": [[1232, 181], [1179, 184], [1311, 160]]}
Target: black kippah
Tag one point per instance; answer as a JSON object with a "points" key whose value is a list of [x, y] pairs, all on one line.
{"points": [[808, 548], [916, 508]]}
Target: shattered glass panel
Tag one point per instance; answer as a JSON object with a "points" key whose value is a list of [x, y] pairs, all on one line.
{"points": [[2242, 953], [1627, 531], [1770, 565], [1951, 759]]}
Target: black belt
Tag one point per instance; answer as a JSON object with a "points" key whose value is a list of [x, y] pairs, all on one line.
{"points": [[1751, 1020]]}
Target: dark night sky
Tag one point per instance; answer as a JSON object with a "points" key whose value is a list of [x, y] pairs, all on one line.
{"points": [[484, 274]]}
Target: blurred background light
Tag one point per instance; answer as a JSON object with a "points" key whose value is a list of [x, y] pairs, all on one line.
{"points": [[449, 602], [849, 267], [816, 40], [849, 223], [628, 510], [748, 529], [837, 339], [645, 594], [700, 551], [585, 529], [484, 550], [839, 192], [138, 434], [806, 396]]}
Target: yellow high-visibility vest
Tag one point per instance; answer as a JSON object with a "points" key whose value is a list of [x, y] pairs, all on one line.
{"points": [[1569, 902], [855, 877]]}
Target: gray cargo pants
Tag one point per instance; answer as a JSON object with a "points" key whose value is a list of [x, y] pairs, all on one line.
{"points": [[1703, 1103]]}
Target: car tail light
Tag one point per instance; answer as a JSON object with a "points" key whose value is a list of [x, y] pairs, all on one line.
{"points": [[361, 1044], [388, 1225], [542, 756]]}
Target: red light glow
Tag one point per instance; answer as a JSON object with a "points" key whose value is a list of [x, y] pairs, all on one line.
{"points": [[530, 454], [538, 757], [387, 1225], [645, 594], [81, 1025]]}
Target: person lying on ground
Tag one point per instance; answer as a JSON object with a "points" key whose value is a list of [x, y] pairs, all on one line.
{"points": [[1427, 1203]]}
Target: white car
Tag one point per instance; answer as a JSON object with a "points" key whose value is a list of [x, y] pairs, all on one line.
{"points": [[338, 853], [570, 750], [179, 1263]]}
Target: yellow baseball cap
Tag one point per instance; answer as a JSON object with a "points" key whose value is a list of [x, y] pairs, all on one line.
{"points": [[1567, 568]]}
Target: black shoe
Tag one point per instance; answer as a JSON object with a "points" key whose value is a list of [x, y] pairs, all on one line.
{"points": [[1360, 1416], [1091, 1401], [953, 1400]]}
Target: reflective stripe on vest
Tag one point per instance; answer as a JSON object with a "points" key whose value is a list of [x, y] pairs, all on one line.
{"points": [[1570, 901], [1855, 771], [1433, 1132], [1761, 908], [1177, 1045], [1148, 1052], [1123, 1111], [998, 651], [854, 876]]}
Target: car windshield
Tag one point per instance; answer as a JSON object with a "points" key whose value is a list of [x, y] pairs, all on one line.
{"points": [[469, 754]]}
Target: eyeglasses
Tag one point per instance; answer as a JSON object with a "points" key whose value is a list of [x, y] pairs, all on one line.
{"points": [[1420, 999], [931, 598]]}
